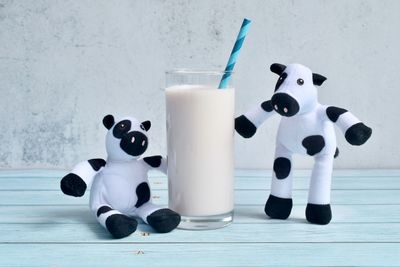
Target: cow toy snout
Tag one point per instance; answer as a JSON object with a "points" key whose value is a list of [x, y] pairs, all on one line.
{"points": [[284, 104], [134, 143]]}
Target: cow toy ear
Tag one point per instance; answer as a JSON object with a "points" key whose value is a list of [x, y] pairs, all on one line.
{"points": [[146, 125], [318, 79], [277, 68], [108, 121]]}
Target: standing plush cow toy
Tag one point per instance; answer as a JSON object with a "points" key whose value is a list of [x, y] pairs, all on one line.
{"points": [[120, 187], [306, 128]]}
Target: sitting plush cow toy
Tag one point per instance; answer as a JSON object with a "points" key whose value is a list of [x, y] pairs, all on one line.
{"points": [[120, 188], [306, 128]]}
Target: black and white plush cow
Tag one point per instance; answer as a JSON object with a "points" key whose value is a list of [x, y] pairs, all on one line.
{"points": [[120, 187], [306, 127]]}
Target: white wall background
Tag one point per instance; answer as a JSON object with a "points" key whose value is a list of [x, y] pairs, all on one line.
{"points": [[65, 64]]}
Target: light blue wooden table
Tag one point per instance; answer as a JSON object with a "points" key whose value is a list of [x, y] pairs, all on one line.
{"points": [[39, 226]]}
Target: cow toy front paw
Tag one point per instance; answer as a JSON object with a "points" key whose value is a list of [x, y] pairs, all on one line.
{"points": [[73, 185], [244, 127], [358, 134]]}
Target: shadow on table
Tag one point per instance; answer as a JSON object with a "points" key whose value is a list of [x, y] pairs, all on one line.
{"points": [[261, 217]]}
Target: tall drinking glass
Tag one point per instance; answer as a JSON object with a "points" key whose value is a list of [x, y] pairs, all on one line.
{"points": [[200, 130]]}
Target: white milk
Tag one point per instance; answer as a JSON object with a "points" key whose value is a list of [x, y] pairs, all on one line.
{"points": [[200, 128]]}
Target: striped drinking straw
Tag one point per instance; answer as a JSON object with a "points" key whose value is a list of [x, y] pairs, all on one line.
{"points": [[234, 54]]}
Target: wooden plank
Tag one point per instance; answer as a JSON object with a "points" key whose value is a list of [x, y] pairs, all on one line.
{"points": [[38, 173], [241, 183], [10, 173], [365, 229], [246, 197], [246, 214], [336, 172], [235, 233], [262, 254]]}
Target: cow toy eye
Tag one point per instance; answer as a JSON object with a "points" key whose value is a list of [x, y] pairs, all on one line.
{"points": [[300, 81], [142, 127], [121, 128]]}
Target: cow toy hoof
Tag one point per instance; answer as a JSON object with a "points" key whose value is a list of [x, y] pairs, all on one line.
{"points": [[358, 134], [278, 208], [164, 220], [318, 214], [120, 225], [73, 185], [244, 127]]}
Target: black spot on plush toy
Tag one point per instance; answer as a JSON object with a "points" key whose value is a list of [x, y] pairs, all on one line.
{"points": [[306, 128], [120, 188]]}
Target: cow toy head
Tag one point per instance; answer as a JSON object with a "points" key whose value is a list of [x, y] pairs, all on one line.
{"points": [[295, 91], [127, 138]]}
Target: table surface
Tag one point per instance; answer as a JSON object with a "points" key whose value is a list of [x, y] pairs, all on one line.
{"points": [[39, 226]]}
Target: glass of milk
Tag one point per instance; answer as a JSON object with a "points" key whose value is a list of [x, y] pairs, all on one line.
{"points": [[200, 130]]}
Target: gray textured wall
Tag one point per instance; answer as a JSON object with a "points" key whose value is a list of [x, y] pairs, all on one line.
{"points": [[65, 64]]}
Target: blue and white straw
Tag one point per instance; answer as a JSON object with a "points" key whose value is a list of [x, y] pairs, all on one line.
{"points": [[234, 54]]}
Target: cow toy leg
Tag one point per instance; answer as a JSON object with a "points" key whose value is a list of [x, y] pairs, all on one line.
{"points": [[118, 224], [80, 178], [318, 209], [279, 204], [163, 220]]}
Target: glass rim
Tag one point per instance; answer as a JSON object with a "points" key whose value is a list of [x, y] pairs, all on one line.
{"points": [[198, 71]]}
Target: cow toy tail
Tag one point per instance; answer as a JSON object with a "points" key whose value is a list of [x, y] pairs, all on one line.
{"points": [[76, 182]]}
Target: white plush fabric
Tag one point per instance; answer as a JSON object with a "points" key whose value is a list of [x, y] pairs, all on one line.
{"points": [[114, 151], [85, 171], [257, 115], [310, 120], [282, 187], [346, 120], [115, 185]]}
